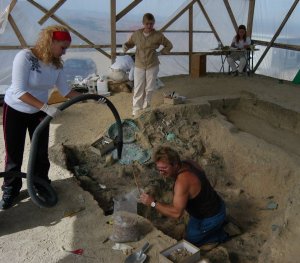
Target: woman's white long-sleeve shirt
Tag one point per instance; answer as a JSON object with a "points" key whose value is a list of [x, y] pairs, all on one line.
{"points": [[241, 44], [30, 75]]}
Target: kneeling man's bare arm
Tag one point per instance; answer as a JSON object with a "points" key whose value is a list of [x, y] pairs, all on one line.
{"points": [[180, 198]]}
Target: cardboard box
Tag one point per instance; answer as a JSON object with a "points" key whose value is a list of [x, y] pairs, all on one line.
{"points": [[183, 244], [102, 146], [173, 101], [56, 97]]}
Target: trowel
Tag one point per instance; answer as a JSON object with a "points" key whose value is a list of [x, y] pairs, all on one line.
{"points": [[139, 256]]}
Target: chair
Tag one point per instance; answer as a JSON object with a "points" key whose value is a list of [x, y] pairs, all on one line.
{"points": [[249, 62], [248, 68]]}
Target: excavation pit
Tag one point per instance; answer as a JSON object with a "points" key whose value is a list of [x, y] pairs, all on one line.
{"points": [[237, 140]]}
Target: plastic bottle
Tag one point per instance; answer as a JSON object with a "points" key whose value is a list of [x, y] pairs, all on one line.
{"points": [[91, 87], [102, 87]]}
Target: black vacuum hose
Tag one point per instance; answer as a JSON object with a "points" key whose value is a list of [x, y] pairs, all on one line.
{"points": [[40, 191]]}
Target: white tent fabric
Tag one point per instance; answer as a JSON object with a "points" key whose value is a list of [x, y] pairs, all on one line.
{"points": [[93, 21]]}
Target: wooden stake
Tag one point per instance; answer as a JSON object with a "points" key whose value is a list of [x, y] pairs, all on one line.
{"points": [[136, 182]]}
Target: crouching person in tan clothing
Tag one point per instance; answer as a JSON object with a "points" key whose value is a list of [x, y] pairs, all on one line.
{"points": [[146, 40]]}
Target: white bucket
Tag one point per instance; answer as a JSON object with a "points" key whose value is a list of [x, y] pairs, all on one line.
{"points": [[102, 87]]}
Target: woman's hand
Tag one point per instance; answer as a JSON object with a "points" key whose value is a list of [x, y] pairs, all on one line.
{"points": [[50, 110]]}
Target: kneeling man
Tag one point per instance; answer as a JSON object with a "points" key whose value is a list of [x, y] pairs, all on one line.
{"points": [[193, 193]]}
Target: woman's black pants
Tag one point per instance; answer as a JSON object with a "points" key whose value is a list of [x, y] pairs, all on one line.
{"points": [[15, 126]]}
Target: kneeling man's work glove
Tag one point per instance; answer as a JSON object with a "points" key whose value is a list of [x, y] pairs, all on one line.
{"points": [[50, 110]]}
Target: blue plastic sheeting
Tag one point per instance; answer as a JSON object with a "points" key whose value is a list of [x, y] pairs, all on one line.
{"points": [[132, 152], [129, 130]]}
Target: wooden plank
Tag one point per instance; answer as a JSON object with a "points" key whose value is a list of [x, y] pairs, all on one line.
{"points": [[72, 46], [231, 15], [169, 31], [60, 21], [277, 45], [94, 46], [180, 53], [276, 34], [171, 53], [51, 11], [10, 47], [190, 37], [198, 67], [177, 16], [17, 31], [113, 27], [250, 17], [209, 21], [12, 5], [127, 9]]}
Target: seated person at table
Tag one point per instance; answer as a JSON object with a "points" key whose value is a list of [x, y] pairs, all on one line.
{"points": [[240, 41]]}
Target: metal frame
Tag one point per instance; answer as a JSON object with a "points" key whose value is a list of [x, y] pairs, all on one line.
{"points": [[116, 17]]}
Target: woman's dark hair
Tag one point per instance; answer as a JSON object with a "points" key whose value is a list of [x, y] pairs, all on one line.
{"points": [[237, 37]]}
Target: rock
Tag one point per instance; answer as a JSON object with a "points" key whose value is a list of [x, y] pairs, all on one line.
{"points": [[232, 229], [171, 137], [218, 255], [272, 205], [233, 191], [109, 160]]}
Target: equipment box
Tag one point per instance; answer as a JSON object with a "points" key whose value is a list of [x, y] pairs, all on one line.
{"points": [[102, 146], [181, 252]]}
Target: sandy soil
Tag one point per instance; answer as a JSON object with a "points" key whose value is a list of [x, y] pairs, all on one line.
{"points": [[249, 155]]}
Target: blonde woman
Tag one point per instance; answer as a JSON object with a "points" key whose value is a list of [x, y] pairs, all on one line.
{"points": [[35, 71], [147, 40]]}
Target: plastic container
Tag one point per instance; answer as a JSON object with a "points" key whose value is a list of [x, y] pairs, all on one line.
{"points": [[169, 255], [102, 87], [78, 79], [127, 202], [125, 227]]}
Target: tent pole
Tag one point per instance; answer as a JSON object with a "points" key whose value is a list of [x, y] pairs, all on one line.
{"points": [[278, 45], [17, 31], [127, 9], [12, 5], [276, 34], [177, 16], [190, 37], [231, 15], [250, 17], [60, 21], [14, 25], [209, 21], [113, 26], [51, 11]]}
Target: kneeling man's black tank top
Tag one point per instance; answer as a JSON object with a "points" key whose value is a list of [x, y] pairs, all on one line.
{"points": [[207, 203]]}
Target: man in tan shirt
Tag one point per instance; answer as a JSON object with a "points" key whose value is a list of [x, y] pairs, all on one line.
{"points": [[146, 40]]}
